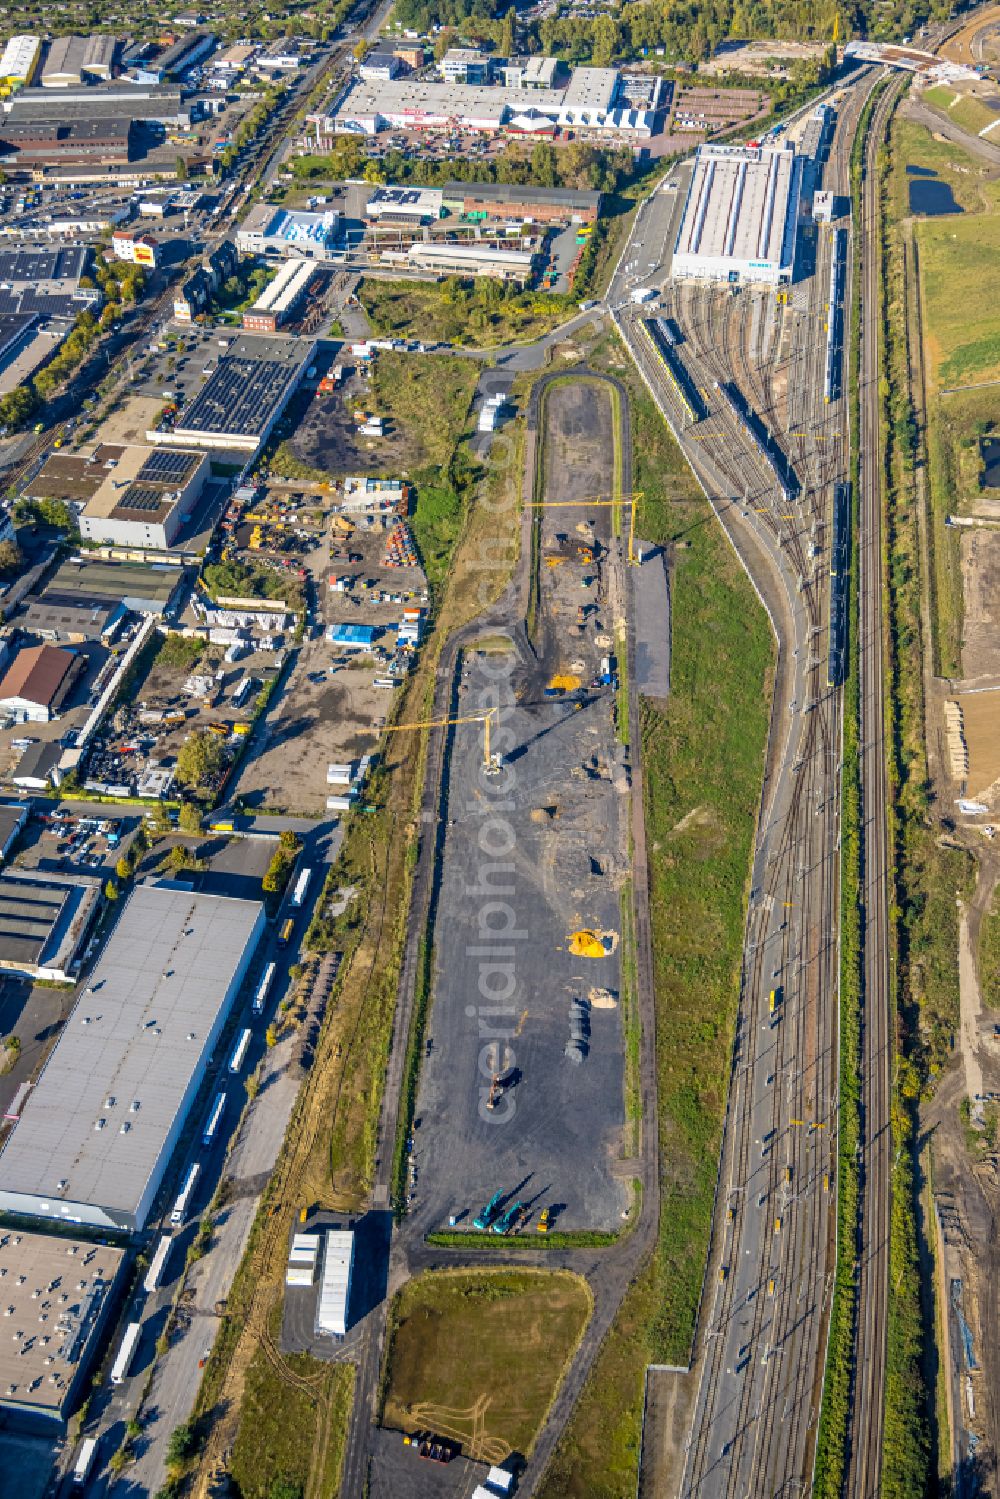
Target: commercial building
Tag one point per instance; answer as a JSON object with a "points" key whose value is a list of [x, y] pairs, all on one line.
{"points": [[466, 65], [532, 72], [139, 249], [97, 582], [333, 1302], [95, 1138], [78, 59], [740, 216], [586, 103], [37, 683], [281, 56], [58, 1295], [45, 920], [144, 499], [280, 297], [405, 205], [539, 205], [413, 54], [244, 397], [38, 767], [452, 259], [290, 233], [381, 65], [19, 59]]}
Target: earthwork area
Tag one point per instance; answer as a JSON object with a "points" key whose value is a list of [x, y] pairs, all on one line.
{"points": [[527, 1015]]}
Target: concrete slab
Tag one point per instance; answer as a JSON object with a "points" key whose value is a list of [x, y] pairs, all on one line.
{"points": [[651, 585]]}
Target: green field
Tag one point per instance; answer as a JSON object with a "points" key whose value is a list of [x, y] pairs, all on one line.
{"points": [[483, 315], [960, 285], [703, 763], [968, 113], [970, 178], [428, 395], [477, 1355], [293, 1422], [989, 954]]}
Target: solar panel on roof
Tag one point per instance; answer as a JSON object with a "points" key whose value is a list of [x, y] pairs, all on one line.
{"points": [[165, 464], [141, 497]]}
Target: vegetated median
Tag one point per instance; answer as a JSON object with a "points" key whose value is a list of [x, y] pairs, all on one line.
{"points": [[928, 869], [703, 757], [831, 1437]]}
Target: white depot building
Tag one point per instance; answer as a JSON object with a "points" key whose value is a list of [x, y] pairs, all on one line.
{"points": [[96, 1136], [740, 218]]}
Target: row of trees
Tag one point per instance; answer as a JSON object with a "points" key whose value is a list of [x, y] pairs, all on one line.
{"points": [[577, 165]]}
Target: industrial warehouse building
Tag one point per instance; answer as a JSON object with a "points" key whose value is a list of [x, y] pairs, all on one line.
{"points": [[443, 258], [96, 1136], [45, 920], [740, 217], [280, 298], [242, 401], [539, 205], [291, 233], [38, 681], [72, 60], [97, 583], [144, 497], [58, 1294]]}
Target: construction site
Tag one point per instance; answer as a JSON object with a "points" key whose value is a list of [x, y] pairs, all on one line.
{"points": [[520, 1112]]}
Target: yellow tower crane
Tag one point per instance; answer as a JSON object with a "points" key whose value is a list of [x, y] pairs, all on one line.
{"points": [[492, 764], [596, 502]]}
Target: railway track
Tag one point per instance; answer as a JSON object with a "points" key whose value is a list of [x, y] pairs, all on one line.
{"points": [[868, 1389], [760, 1380]]}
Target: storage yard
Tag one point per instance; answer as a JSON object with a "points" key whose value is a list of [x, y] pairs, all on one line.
{"points": [[521, 1099]]}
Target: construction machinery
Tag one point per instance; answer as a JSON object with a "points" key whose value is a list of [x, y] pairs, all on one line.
{"points": [[597, 502], [544, 1220], [484, 1218], [507, 1220], [492, 763]]}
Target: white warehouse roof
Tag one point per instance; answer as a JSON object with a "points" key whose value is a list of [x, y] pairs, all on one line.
{"points": [[96, 1134], [19, 57], [335, 1288], [740, 216]]}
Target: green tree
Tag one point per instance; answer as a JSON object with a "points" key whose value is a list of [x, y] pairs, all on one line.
{"points": [[189, 818], [18, 406], [508, 33], [200, 756], [10, 559], [183, 1444], [181, 169]]}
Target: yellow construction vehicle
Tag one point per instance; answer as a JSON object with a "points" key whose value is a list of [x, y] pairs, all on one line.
{"points": [[543, 1222], [492, 764], [597, 502]]}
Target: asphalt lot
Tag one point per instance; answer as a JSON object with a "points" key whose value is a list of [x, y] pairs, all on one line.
{"points": [[396, 1469]]}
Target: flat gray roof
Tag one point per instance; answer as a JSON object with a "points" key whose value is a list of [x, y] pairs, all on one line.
{"points": [[97, 581], [11, 818], [43, 916], [55, 1291], [132, 1045], [737, 205]]}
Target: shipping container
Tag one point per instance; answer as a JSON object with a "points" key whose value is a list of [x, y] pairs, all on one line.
{"points": [[285, 935]]}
